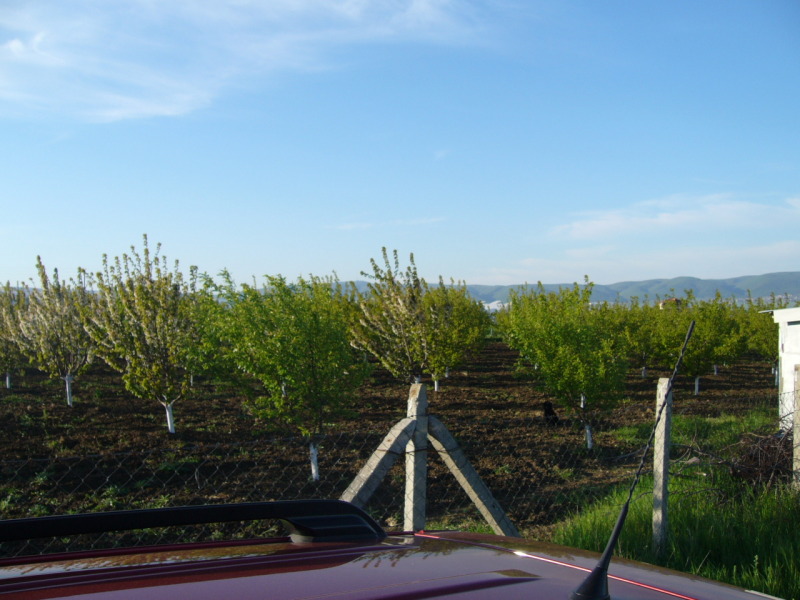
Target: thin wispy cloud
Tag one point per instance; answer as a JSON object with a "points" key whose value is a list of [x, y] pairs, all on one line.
{"points": [[612, 264], [139, 58], [676, 214], [703, 236]]}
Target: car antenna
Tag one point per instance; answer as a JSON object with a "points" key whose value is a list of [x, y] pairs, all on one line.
{"points": [[595, 586]]}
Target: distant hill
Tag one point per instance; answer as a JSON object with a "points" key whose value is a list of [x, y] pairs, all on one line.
{"points": [[759, 286]]}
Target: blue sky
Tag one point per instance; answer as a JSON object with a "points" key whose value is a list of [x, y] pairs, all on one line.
{"points": [[501, 142]]}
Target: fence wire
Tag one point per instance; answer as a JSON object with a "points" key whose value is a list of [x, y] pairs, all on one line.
{"points": [[536, 485]]}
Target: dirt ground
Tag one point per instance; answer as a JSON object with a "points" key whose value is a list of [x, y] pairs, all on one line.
{"points": [[478, 397], [125, 457]]}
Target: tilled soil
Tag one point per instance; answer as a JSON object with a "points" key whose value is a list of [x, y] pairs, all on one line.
{"points": [[485, 397], [111, 450]]}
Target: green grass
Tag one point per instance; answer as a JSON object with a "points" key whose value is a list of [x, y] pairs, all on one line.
{"points": [[715, 433], [718, 529], [721, 432]]}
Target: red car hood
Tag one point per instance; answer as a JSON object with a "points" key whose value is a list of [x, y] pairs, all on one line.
{"points": [[402, 567]]}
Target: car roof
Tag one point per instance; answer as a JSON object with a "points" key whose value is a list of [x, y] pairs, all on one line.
{"points": [[422, 565], [322, 560]]}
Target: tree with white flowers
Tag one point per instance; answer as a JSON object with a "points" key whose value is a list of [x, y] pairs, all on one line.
{"points": [[413, 329], [49, 331], [13, 303], [391, 319], [141, 322]]}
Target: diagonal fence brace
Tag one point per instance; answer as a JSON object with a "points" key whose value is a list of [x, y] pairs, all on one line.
{"points": [[411, 435]]}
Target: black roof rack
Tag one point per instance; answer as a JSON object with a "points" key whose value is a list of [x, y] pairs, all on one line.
{"points": [[307, 520]]}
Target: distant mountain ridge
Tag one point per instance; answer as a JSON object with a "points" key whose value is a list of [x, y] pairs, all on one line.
{"points": [[759, 286]]}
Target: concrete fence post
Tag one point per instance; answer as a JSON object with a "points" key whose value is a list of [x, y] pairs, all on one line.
{"points": [[410, 436], [417, 460], [661, 449], [444, 443], [375, 469]]}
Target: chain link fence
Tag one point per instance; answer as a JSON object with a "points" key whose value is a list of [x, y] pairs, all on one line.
{"points": [[536, 484]]}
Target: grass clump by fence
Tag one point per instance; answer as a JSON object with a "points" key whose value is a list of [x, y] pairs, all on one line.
{"points": [[719, 529], [717, 433]]}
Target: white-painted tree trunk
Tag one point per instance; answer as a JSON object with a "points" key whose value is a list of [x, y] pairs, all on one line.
{"points": [[8, 380], [68, 381], [313, 454], [716, 369], [644, 372], [587, 426], [447, 372], [435, 385], [170, 419], [697, 385]]}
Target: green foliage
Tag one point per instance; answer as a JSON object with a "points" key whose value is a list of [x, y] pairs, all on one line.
{"points": [[580, 358], [208, 354], [142, 323], [760, 330], [638, 324], [294, 339], [668, 325], [642, 333], [456, 326], [49, 330], [413, 329], [717, 338], [390, 323]]}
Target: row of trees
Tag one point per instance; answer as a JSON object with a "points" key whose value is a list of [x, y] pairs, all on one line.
{"points": [[582, 351], [305, 342], [412, 328]]}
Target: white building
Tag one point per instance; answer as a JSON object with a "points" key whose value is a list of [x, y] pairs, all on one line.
{"points": [[788, 320]]}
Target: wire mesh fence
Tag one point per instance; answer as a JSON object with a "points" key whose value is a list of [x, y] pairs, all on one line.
{"points": [[536, 484]]}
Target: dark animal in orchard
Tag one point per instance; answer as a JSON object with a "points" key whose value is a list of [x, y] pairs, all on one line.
{"points": [[550, 416]]}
